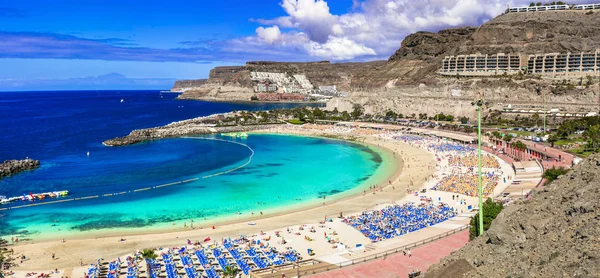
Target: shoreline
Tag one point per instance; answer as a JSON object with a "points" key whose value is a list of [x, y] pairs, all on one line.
{"points": [[108, 244], [247, 101], [379, 176]]}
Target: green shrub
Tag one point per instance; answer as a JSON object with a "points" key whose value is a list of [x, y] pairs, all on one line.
{"points": [[491, 209], [552, 174]]}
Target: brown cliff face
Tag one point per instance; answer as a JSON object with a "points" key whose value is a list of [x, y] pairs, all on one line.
{"points": [[537, 32], [427, 46]]}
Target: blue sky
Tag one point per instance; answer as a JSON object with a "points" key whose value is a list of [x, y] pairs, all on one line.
{"points": [[160, 27], [62, 39]]}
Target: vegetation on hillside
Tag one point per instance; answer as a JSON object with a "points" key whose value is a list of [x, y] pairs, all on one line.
{"points": [[554, 173], [491, 209]]}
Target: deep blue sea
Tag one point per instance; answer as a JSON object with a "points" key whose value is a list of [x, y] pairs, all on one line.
{"points": [[59, 128]]}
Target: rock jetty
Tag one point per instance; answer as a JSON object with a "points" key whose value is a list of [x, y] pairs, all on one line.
{"points": [[196, 126], [12, 167], [554, 234]]}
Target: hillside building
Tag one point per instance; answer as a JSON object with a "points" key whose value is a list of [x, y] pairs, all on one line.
{"points": [[279, 82], [481, 64], [564, 64], [553, 8], [539, 8], [548, 64]]}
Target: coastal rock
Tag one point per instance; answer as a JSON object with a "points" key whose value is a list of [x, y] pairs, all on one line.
{"points": [[12, 167], [555, 234], [196, 126]]}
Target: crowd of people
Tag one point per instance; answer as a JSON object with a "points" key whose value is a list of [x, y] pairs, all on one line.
{"points": [[470, 161], [459, 174], [467, 183]]}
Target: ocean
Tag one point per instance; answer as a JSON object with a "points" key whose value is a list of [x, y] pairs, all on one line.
{"points": [[59, 128]]}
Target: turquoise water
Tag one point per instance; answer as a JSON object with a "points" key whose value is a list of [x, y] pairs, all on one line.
{"points": [[284, 171]]}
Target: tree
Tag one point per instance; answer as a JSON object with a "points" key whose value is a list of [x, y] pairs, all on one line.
{"points": [[391, 114], [440, 117], [554, 173], [535, 118], [345, 116], [449, 118], [230, 271], [507, 138], [2, 262], [520, 146], [531, 4], [592, 134], [318, 113], [496, 134], [552, 138], [149, 256], [491, 209], [357, 111], [464, 120]]}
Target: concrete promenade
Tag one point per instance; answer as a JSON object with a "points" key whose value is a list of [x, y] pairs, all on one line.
{"points": [[400, 265]]}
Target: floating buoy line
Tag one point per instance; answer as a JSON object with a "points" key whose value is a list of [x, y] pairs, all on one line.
{"points": [[139, 189]]}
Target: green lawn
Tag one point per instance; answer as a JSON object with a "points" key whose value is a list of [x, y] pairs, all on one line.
{"points": [[523, 133], [563, 142], [295, 122], [580, 152]]}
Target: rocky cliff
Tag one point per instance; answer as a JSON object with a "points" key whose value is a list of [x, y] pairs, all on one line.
{"points": [[555, 234], [12, 167], [407, 82]]}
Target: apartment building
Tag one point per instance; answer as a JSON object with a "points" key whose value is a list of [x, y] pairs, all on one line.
{"points": [[481, 64], [564, 64]]}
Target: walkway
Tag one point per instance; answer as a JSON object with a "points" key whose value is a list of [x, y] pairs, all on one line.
{"points": [[398, 265]]}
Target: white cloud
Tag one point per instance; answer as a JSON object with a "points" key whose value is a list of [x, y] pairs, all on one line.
{"points": [[311, 16], [269, 34], [338, 49], [372, 28]]}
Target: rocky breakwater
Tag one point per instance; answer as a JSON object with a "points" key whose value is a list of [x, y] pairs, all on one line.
{"points": [[195, 126], [554, 234], [12, 167]]}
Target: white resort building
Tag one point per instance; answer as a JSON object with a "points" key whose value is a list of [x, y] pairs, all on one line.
{"points": [[562, 7], [548, 64], [481, 64]]}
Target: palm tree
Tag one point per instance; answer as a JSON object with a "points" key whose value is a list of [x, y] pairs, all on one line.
{"points": [[593, 136], [2, 261], [230, 271], [148, 255]]}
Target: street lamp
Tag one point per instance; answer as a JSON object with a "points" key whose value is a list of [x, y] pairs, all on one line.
{"points": [[479, 103]]}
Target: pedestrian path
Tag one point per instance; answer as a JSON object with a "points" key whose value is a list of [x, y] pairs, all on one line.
{"points": [[400, 265]]}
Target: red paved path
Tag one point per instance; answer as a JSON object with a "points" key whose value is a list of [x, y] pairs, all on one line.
{"points": [[399, 265]]}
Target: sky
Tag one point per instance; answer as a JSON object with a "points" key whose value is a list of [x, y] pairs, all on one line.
{"points": [[175, 39]]}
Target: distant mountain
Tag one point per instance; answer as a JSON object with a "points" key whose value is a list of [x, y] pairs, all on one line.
{"points": [[111, 81]]}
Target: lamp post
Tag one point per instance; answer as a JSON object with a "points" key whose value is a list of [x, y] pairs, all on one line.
{"points": [[538, 89], [479, 103]]}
